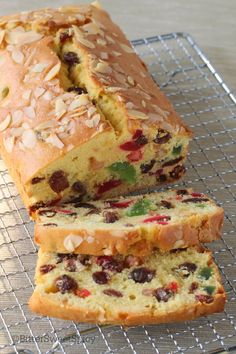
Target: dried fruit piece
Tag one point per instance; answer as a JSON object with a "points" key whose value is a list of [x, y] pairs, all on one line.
{"points": [[193, 287], [110, 217], [49, 213], [142, 275], [70, 265], [61, 257], [120, 205], [70, 58], [208, 299], [36, 180], [176, 151], [85, 205], [58, 181], [106, 186], [162, 294], [177, 172], [64, 36], [182, 192], [134, 144], [101, 277], [141, 207], [82, 293], [173, 286], [135, 156], [166, 204], [124, 170], [78, 187], [195, 200], [65, 284], [46, 268], [172, 162], [210, 289], [162, 137], [147, 167], [112, 292], [158, 218], [131, 261], [185, 269], [77, 89], [110, 263], [206, 272]]}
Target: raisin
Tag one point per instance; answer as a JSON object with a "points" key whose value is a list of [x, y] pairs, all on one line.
{"points": [[162, 137], [142, 275], [77, 89], [78, 187], [172, 162], [208, 299], [64, 284], [64, 36], [141, 140], [65, 256], [177, 172], [193, 287], [110, 217], [185, 269], [195, 200], [70, 265], [166, 204], [162, 294], [36, 180], [147, 167], [49, 213], [182, 192], [58, 181], [161, 178], [70, 58], [84, 259], [110, 263], [46, 268], [112, 292], [85, 205], [101, 277], [93, 211]]}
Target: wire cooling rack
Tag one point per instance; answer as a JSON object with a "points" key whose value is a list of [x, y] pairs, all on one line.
{"points": [[207, 105]]}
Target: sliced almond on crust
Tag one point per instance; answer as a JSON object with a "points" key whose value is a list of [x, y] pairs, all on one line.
{"points": [[126, 48], [29, 138], [134, 114], [71, 242], [5, 123], [9, 143], [55, 141], [53, 72], [17, 56]]}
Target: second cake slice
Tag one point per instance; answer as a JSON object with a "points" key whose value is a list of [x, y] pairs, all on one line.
{"points": [[136, 225]]}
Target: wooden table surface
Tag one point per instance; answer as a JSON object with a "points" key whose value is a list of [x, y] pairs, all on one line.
{"points": [[211, 23]]}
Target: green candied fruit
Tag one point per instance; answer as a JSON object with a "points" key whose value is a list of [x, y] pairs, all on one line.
{"points": [[201, 205], [206, 272], [177, 150], [142, 207], [210, 289], [125, 171]]}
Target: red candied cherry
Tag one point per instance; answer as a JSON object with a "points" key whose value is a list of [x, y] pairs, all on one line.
{"points": [[135, 156], [82, 293]]}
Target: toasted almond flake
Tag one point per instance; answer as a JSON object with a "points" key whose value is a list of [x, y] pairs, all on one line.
{"points": [[114, 89], [143, 74], [129, 105], [39, 67], [70, 147], [2, 35], [116, 54], [134, 114], [5, 92], [9, 143], [17, 131], [47, 96], [53, 72], [120, 78], [79, 36], [5, 123], [90, 239], [55, 141], [93, 122], [144, 103], [26, 78], [101, 41], [10, 48], [103, 67], [110, 39], [60, 107], [91, 111], [130, 80], [160, 111], [91, 28], [118, 68], [104, 55], [29, 111], [21, 38], [126, 48], [2, 60], [26, 125], [38, 92], [156, 117], [45, 125], [29, 138], [17, 56], [33, 102], [82, 100], [71, 242], [120, 98], [26, 94], [17, 116]]}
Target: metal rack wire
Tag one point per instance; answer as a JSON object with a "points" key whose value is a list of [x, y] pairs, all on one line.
{"points": [[204, 101]]}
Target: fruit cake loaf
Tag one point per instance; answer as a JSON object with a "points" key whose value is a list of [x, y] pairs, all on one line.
{"points": [[136, 225], [80, 116], [128, 290]]}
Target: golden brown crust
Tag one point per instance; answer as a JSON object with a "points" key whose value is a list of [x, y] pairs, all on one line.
{"points": [[136, 242], [42, 305]]}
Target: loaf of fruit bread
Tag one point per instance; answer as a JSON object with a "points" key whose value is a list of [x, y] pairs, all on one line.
{"points": [[80, 116], [128, 290], [137, 224]]}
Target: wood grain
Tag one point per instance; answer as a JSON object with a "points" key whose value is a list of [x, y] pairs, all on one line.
{"points": [[210, 22]]}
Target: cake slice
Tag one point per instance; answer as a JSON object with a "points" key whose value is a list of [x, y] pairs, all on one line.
{"points": [[80, 116], [176, 286], [136, 224]]}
